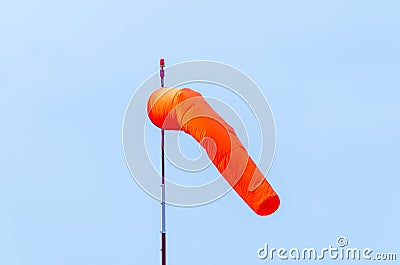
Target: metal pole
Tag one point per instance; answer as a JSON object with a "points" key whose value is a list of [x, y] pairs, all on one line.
{"points": [[163, 230]]}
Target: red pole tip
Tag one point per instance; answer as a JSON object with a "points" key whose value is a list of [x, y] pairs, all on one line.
{"points": [[162, 63]]}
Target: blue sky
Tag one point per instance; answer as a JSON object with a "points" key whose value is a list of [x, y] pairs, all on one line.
{"points": [[329, 69]]}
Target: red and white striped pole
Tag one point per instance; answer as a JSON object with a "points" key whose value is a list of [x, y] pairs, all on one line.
{"points": [[163, 230]]}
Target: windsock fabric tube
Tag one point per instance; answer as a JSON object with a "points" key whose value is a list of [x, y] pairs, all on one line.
{"points": [[186, 110]]}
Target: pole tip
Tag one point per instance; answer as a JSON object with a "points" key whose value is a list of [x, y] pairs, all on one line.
{"points": [[162, 63]]}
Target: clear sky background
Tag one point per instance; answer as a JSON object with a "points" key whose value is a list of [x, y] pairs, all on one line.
{"points": [[329, 69]]}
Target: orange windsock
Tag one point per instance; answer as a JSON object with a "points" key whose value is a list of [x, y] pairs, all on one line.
{"points": [[186, 110]]}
